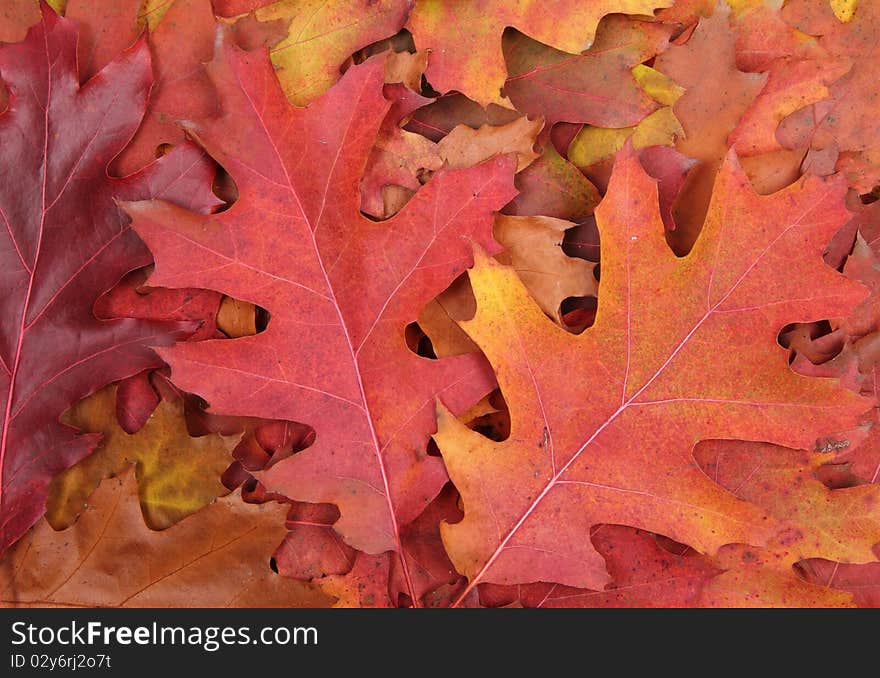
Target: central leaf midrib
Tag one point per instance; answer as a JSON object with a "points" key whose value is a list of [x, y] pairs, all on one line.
{"points": [[377, 448], [27, 299], [631, 401]]}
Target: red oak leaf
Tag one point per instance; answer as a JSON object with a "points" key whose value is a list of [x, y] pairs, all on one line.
{"points": [[596, 87], [64, 244], [340, 289], [644, 574], [862, 581], [182, 41], [105, 29]]}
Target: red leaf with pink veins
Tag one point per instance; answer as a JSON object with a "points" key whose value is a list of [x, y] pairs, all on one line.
{"points": [[340, 289], [65, 243], [181, 43]]}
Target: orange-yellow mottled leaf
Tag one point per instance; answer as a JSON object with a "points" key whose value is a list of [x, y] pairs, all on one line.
{"points": [[840, 524], [465, 37], [321, 35], [365, 586], [683, 349]]}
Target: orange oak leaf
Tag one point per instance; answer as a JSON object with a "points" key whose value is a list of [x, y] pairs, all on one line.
{"points": [[105, 30], [465, 37], [438, 317], [851, 351], [752, 585], [365, 586], [838, 524], [533, 246], [763, 36], [791, 86], [340, 292], [464, 146], [16, 17], [603, 424], [843, 523], [715, 98], [849, 126], [218, 557]]}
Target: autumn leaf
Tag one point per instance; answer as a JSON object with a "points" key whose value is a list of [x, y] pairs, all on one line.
{"points": [[340, 293], [439, 118], [399, 373], [465, 147], [848, 127], [105, 30], [791, 85], [860, 581], [131, 298], [553, 187], [597, 87], [312, 549], [216, 558], [841, 524], [533, 246], [321, 35], [465, 38], [763, 36], [645, 573], [58, 138], [16, 17], [177, 474], [603, 424], [715, 98], [399, 157], [365, 586], [180, 43]]}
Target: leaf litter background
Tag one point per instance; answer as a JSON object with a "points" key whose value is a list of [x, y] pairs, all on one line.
{"points": [[405, 304]]}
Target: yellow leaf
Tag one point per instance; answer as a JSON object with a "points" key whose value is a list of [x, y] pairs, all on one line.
{"points": [[177, 474], [844, 9], [658, 86], [321, 35], [153, 11], [593, 144]]}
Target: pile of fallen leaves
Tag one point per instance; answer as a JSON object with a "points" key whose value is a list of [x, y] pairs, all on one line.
{"points": [[431, 303]]}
